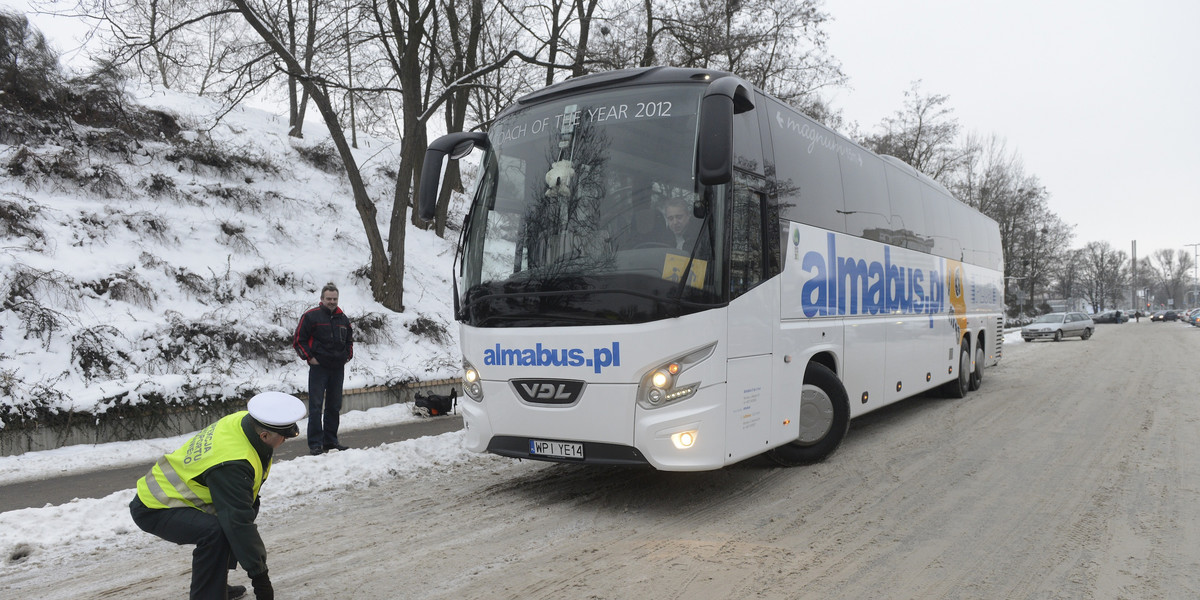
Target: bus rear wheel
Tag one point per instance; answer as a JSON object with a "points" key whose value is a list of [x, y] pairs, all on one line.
{"points": [[977, 374], [959, 387], [824, 419]]}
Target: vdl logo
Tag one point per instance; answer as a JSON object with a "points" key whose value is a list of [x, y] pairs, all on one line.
{"points": [[549, 391]]}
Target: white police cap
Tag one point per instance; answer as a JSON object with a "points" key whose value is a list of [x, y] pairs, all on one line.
{"points": [[278, 412]]}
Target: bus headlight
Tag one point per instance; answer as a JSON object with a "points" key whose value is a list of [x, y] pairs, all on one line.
{"points": [[471, 383], [660, 386]]}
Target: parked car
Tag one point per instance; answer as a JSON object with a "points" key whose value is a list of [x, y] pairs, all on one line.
{"points": [[1111, 316], [1195, 319], [1056, 326]]}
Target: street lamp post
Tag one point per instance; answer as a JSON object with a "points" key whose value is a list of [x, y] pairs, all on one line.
{"points": [[1195, 256]]}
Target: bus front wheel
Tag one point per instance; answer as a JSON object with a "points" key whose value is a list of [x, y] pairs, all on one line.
{"points": [[824, 419]]}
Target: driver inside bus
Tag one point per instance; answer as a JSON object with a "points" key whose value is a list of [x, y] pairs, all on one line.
{"points": [[678, 218], [647, 229]]}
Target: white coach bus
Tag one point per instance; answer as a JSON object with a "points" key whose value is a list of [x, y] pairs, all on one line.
{"points": [[668, 267]]}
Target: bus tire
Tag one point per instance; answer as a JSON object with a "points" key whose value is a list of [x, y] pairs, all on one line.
{"points": [[959, 387], [977, 374], [824, 419]]}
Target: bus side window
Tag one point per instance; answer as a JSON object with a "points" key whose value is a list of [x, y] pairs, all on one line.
{"points": [[746, 243]]}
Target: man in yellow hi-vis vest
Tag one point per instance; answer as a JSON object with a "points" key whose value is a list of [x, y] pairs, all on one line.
{"points": [[206, 493]]}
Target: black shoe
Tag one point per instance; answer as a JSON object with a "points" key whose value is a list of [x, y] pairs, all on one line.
{"points": [[233, 592], [336, 447], [316, 451]]}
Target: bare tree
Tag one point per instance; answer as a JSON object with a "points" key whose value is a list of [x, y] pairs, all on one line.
{"points": [[1069, 275], [387, 271], [1103, 274], [922, 134], [1172, 267]]}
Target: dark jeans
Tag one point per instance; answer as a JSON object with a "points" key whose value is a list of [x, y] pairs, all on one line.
{"points": [[324, 405], [212, 558]]}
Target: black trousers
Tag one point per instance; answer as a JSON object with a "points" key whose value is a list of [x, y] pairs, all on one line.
{"points": [[324, 405], [212, 558]]}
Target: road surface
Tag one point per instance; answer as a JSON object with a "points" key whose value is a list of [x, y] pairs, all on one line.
{"points": [[1074, 473]]}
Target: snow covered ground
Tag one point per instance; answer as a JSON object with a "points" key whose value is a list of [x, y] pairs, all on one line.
{"points": [[86, 525]]}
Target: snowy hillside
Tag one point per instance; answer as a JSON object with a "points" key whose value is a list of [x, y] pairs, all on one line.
{"points": [[173, 270]]}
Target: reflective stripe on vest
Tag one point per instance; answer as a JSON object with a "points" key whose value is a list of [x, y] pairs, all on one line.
{"points": [[171, 482]]}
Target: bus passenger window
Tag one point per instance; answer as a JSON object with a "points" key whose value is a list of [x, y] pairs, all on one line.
{"points": [[746, 247]]}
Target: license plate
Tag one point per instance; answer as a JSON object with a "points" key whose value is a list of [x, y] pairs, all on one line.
{"points": [[556, 449]]}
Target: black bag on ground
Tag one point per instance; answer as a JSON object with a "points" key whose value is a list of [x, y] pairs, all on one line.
{"points": [[434, 405]]}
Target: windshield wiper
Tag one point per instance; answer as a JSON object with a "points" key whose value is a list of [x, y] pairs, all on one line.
{"points": [[687, 269]]}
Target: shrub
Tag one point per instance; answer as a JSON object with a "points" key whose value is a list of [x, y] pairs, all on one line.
{"points": [[125, 286], [216, 288], [228, 162], [16, 219], [147, 224], [234, 236], [33, 167], [189, 346], [97, 353], [324, 157], [372, 328], [427, 328], [242, 199], [159, 185], [30, 78], [265, 275], [102, 179]]}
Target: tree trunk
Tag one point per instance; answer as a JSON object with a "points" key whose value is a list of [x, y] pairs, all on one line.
{"points": [[387, 277]]}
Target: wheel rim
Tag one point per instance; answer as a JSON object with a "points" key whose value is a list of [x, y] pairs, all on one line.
{"points": [[964, 368], [816, 415], [977, 375]]}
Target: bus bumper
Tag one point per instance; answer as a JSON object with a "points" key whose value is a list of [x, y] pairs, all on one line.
{"points": [[621, 434]]}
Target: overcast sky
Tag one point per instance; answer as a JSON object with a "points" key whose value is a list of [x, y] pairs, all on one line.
{"points": [[1099, 98]]}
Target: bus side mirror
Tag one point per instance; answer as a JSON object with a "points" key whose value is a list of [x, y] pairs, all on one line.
{"points": [[724, 98], [456, 145]]}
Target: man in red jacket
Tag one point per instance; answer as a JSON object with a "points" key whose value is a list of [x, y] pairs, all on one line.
{"points": [[324, 340]]}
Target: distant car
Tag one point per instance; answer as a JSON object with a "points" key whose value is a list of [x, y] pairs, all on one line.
{"points": [[1165, 315], [1111, 316], [1056, 326]]}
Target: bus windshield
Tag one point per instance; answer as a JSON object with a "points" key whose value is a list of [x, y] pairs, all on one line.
{"points": [[587, 212]]}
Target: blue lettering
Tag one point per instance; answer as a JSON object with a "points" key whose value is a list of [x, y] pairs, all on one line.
{"points": [[847, 285], [894, 286], [850, 273], [540, 356], [875, 297], [812, 296], [604, 357]]}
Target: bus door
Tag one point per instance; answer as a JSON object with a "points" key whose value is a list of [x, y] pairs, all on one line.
{"points": [[753, 320]]}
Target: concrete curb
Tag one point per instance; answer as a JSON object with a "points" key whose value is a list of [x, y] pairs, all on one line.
{"points": [[187, 420]]}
